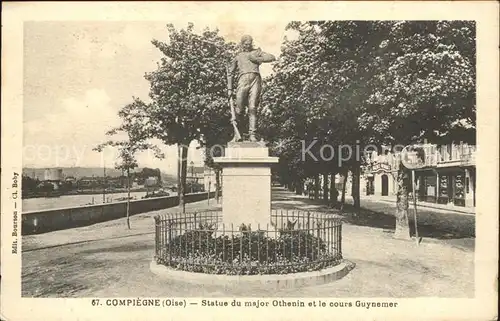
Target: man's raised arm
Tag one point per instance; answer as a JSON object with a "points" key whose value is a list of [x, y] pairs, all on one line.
{"points": [[259, 57]]}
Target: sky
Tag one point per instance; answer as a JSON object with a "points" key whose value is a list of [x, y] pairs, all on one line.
{"points": [[77, 76]]}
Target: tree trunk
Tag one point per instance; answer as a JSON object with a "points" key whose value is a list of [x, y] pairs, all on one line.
{"points": [[402, 224], [325, 188], [128, 198], [179, 171], [355, 185], [183, 151], [333, 190], [316, 186], [299, 187], [217, 184], [344, 177]]}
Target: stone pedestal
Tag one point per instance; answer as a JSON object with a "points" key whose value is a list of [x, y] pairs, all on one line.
{"points": [[246, 185]]}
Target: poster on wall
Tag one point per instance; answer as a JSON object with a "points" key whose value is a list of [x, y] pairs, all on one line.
{"points": [[430, 184], [459, 186], [431, 190], [443, 186]]}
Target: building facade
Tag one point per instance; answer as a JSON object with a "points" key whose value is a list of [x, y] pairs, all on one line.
{"points": [[209, 180], [202, 175], [448, 175], [195, 174]]}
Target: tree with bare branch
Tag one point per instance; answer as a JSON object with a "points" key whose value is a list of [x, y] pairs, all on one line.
{"points": [[134, 130]]}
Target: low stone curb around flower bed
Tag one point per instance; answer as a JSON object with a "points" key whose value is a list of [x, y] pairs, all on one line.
{"points": [[278, 281]]}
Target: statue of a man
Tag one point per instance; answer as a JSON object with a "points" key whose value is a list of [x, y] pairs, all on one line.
{"points": [[249, 82]]}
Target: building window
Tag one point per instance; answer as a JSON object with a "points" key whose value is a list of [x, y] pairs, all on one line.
{"points": [[428, 193]]}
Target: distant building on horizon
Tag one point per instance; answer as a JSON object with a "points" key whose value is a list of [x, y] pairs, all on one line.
{"points": [[70, 179], [53, 174], [209, 179], [151, 181], [195, 174], [202, 175]]}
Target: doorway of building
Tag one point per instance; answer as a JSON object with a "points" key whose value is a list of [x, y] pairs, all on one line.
{"points": [[385, 185], [370, 188]]}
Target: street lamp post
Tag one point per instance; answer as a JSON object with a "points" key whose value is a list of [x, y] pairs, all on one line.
{"points": [[411, 161]]}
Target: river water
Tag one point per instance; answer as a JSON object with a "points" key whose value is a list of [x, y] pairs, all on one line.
{"points": [[47, 203]]}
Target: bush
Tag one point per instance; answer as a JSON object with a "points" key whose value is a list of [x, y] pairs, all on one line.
{"points": [[248, 253]]}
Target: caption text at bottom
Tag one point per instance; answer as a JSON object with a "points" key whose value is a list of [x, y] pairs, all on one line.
{"points": [[182, 303]]}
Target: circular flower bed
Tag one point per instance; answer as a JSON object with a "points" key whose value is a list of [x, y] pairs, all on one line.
{"points": [[247, 252]]}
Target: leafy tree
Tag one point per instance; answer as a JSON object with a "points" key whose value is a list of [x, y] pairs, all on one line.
{"points": [[46, 187], [146, 172], [316, 91], [29, 184], [373, 82], [189, 92], [135, 126], [424, 91]]}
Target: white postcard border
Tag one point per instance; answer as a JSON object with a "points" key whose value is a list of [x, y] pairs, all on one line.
{"points": [[483, 307]]}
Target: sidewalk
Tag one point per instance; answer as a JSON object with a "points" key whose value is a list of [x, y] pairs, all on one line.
{"points": [[434, 223], [108, 260], [448, 208]]}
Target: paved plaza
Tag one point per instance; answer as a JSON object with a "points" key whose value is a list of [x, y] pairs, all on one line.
{"points": [[108, 260]]}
